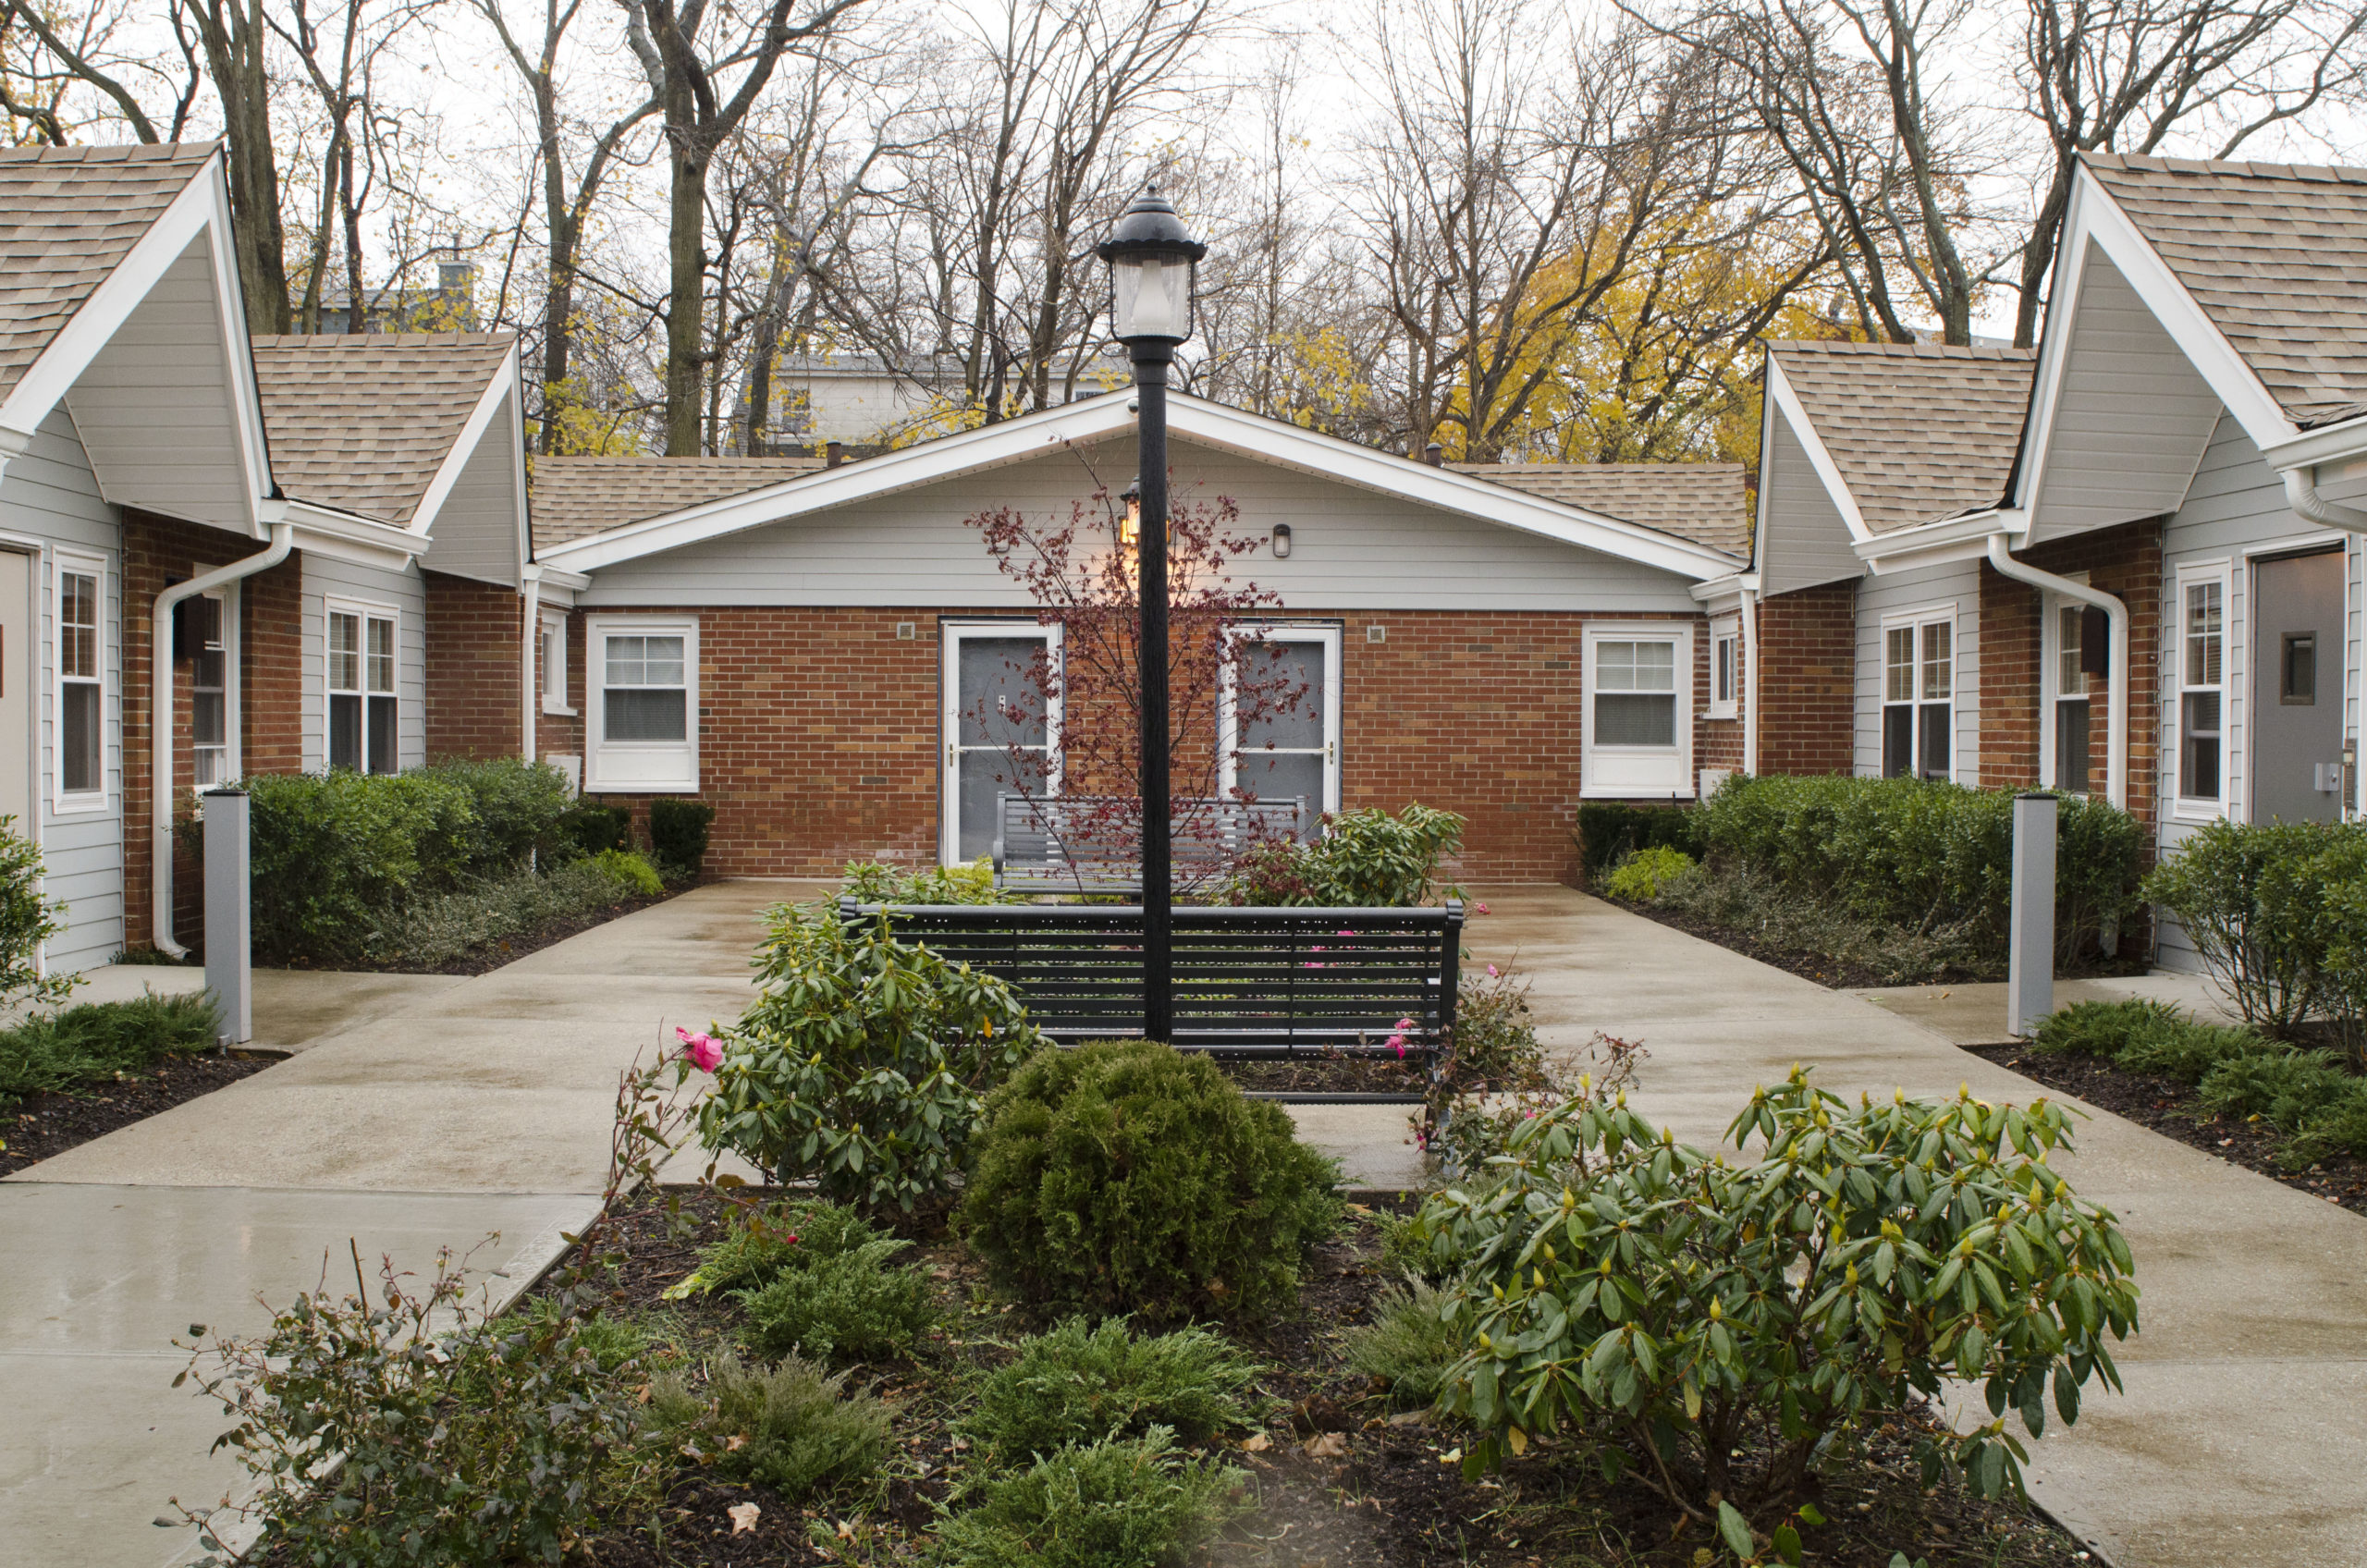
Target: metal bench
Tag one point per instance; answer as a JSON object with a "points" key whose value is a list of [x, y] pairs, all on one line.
{"points": [[1248, 982], [1093, 843]]}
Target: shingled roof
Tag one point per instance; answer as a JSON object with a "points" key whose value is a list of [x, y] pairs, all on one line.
{"points": [[2276, 256], [572, 497], [1701, 502], [363, 422], [1919, 430], [68, 216]]}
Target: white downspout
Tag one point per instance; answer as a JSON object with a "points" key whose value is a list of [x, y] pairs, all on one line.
{"points": [[160, 722], [1750, 681], [2301, 495], [530, 646], [2116, 682]]}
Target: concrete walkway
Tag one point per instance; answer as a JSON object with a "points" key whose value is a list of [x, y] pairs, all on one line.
{"points": [[2242, 1438], [415, 1117]]}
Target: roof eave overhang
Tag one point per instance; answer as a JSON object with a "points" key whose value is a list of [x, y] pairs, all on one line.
{"points": [[1938, 543], [1724, 592], [348, 535], [2328, 444]]}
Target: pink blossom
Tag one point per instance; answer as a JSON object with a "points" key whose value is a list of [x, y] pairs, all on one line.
{"points": [[1397, 1044], [1479, 908], [1493, 972], [701, 1051], [1347, 933], [1404, 1024]]}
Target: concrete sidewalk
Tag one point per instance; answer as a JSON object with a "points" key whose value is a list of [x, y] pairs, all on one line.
{"points": [[2242, 1438], [416, 1118]]}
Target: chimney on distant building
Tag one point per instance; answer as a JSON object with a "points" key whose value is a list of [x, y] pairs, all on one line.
{"points": [[833, 453], [1435, 455]]}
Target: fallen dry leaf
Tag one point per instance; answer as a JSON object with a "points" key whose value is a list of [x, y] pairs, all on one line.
{"points": [[1258, 1442], [744, 1517], [735, 1443], [1328, 1445]]}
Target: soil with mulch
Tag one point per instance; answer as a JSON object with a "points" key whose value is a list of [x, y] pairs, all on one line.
{"points": [[485, 960], [1823, 968], [53, 1121], [1328, 1072], [1338, 1478], [2172, 1109]]}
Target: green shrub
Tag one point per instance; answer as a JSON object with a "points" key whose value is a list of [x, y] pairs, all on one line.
{"points": [[863, 1062], [1494, 1044], [760, 1241], [1924, 856], [2250, 897], [1366, 859], [1614, 1282], [430, 932], [2142, 1036], [597, 827], [678, 831], [1124, 1176], [91, 1043], [794, 1427], [1083, 1384], [27, 920], [630, 872], [1792, 919], [1408, 1345], [1638, 876], [868, 882], [2285, 1088], [518, 811], [1132, 1503], [853, 1306], [1609, 831]]}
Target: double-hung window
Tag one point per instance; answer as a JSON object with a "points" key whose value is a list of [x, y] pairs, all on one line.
{"points": [[642, 678], [82, 682], [1725, 668], [1918, 685], [364, 718], [1637, 721], [2202, 688], [209, 708]]}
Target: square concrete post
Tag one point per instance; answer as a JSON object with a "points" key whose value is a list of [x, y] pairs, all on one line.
{"points": [[228, 923], [2029, 953]]}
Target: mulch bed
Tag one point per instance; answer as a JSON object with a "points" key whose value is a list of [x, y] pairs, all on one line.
{"points": [[1339, 1479], [1327, 1072], [41, 1125], [534, 938], [2171, 1109]]}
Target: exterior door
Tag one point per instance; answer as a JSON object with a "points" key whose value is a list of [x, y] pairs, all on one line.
{"points": [[1289, 748], [998, 725], [2296, 689], [16, 687]]}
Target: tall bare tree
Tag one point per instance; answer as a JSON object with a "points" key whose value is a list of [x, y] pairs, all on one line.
{"points": [[46, 55], [236, 43]]}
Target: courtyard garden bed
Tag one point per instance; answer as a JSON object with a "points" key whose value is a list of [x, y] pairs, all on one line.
{"points": [[78, 1073]]}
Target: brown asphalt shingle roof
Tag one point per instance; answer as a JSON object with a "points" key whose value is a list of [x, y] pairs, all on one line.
{"points": [[1700, 502], [1919, 430], [572, 497], [363, 422], [68, 216], [2276, 256]]}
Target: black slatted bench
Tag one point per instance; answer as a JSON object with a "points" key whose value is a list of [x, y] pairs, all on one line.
{"points": [[1248, 982]]}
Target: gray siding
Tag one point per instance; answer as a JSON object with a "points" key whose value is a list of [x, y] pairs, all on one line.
{"points": [[1808, 542], [326, 578], [49, 494], [1958, 583], [477, 530], [1351, 548]]}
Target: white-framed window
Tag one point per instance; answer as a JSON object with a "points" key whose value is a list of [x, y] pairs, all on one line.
{"points": [[641, 676], [2067, 743], [1725, 668], [1919, 693], [1637, 717], [2202, 707], [82, 695], [554, 663], [363, 684], [209, 697], [1289, 749], [1000, 717]]}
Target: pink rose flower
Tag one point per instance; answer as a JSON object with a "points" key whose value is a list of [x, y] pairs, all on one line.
{"points": [[1479, 908], [1493, 972], [700, 1050]]}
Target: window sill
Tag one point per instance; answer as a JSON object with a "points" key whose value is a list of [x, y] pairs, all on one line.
{"points": [[560, 713], [82, 805], [2198, 811], [1727, 713]]}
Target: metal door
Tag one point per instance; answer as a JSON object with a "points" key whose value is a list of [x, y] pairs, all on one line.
{"points": [[16, 687], [2296, 689]]}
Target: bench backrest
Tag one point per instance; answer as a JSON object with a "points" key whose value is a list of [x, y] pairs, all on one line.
{"points": [[1247, 981]]}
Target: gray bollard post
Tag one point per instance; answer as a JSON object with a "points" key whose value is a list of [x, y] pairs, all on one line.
{"points": [[2029, 954], [229, 928]]}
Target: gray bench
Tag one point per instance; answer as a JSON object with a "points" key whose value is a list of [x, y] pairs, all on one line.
{"points": [[1093, 843]]}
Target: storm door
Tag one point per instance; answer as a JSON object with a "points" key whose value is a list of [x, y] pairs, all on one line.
{"points": [[2296, 689], [1000, 711]]}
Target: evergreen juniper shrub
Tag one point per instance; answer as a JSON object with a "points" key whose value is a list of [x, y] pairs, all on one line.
{"points": [[1124, 1504], [794, 1427], [1081, 1383], [854, 1306], [1124, 1176]]}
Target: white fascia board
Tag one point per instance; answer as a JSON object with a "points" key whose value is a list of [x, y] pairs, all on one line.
{"points": [[1796, 415], [201, 208], [1213, 425], [464, 445], [553, 576], [2329, 444], [351, 537], [1935, 544], [1726, 593]]}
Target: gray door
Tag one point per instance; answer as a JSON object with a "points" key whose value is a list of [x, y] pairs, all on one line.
{"points": [[2296, 689], [16, 687]]}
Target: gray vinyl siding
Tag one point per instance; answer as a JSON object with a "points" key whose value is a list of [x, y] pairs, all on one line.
{"points": [[1958, 581], [49, 494], [1808, 541], [477, 530], [327, 578], [1352, 549]]}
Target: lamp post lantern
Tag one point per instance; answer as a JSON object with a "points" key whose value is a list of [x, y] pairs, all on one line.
{"points": [[1152, 259]]}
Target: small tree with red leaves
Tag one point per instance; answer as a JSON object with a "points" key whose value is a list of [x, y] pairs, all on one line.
{"points": [[1070, 716]]}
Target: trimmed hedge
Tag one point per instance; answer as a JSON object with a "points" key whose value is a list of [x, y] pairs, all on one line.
{"points": [[1926, 855], [678, 832], [1608, 832]]}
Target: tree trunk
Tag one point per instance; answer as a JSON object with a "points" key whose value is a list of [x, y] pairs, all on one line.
{"points": [[234, 52], [686, 299]]}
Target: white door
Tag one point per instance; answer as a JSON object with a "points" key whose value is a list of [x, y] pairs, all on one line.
{"points": [[16, 683], [1001, 709], [1282, 719]]}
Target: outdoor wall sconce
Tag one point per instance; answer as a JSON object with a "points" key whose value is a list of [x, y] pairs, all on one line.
{"points": [[1282, 541], [1130, 524]]}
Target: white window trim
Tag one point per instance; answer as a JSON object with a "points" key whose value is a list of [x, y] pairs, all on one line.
{"points": [[950, 636], [81, 802], [1591, 786], [1228, 726], [597, 748], [1919, 617], [369, 609], [554, 678], [2184, 807], [1724, 629], [2050, 681]]}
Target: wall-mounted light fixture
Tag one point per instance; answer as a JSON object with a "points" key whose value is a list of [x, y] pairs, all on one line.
{"points": [[1282, 541], [1130, 522]]}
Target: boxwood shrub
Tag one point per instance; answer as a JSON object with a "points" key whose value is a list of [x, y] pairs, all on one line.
{"points": [[1609, 831]]}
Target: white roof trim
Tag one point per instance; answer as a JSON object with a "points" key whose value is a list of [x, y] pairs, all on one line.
{"points": [[1796, 415], [2326, 443], [349, 536], [1252, 435], [1932, 544], [464, 445]]}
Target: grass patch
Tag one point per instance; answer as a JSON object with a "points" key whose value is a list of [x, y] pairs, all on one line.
{"points": [[71, 1050]]}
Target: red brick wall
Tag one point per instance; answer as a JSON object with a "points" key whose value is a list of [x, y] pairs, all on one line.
{"points": [[1808, 642], [819, 732], [472, 669]]}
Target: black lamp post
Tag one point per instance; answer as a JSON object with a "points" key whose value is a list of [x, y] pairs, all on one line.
{"points": [[1151, 258]]}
